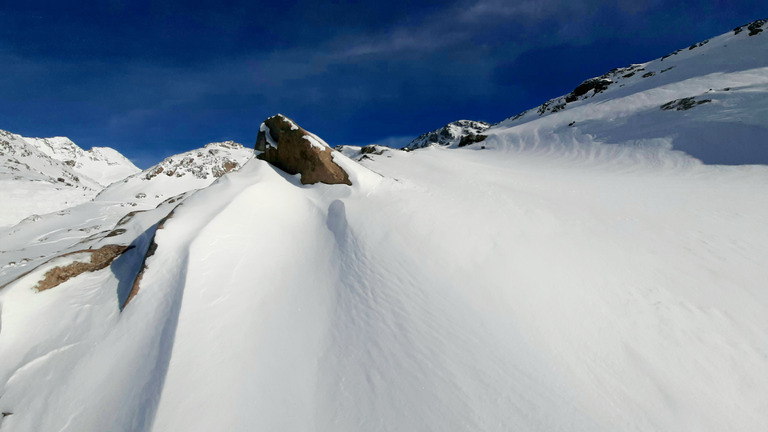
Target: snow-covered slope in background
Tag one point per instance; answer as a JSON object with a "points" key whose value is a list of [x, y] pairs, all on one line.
{"points": [[42, 175], [709, 100], [102, 164], [470, 290], [180, 173]]}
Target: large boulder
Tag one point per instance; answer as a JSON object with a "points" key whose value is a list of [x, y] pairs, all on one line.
{"points": [[296, 151]]}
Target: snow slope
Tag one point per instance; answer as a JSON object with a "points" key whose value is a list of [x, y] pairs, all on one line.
{"points": [[180, 173], [550, 279], [44, 175], [469, 290], [707, 100], [32, 182]]}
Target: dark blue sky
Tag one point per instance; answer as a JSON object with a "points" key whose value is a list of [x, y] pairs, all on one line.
{"points": [[155, 78]]}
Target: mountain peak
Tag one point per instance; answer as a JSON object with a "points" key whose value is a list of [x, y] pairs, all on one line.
{"points": [[454, 134]]}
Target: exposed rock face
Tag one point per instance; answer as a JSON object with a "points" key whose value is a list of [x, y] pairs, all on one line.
{"points": [[753, 27], [99, 259], [296, 151], [452, 134], [471, 139], [684, 104], [598, 84], [372, 149]]}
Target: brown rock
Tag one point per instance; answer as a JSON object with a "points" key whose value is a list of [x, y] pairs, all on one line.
{"points": [[296, 151], [100, 258]]}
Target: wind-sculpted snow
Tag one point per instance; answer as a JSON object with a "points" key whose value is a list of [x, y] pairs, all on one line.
{"points": [[458, 289]]}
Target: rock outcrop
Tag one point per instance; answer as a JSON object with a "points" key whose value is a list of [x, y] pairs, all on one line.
{"points": [[97, 260], [296, 151], [456, 134]]}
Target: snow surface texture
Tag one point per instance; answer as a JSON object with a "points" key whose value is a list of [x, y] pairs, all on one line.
{"points": [[616, 293], [55, 171], [549, 282]]}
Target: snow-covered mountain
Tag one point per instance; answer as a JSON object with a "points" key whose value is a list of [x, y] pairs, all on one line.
{"points": [[42, 175], [105, 165], [707, 100], [574, 271], [454, 134], [178, 174]]}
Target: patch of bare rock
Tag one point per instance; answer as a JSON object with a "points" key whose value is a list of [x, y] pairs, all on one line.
{"points": [[99, 259], [294, 150]]}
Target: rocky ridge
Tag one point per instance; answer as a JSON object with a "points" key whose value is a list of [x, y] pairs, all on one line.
{"points": [[454, 134]]}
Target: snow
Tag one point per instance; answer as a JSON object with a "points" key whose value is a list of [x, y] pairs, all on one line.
{"points": [[729, 71], [591, 277], [270, 142], [105, 165], [55, 171], [488, 289], [47, 198], [315, 141]]}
